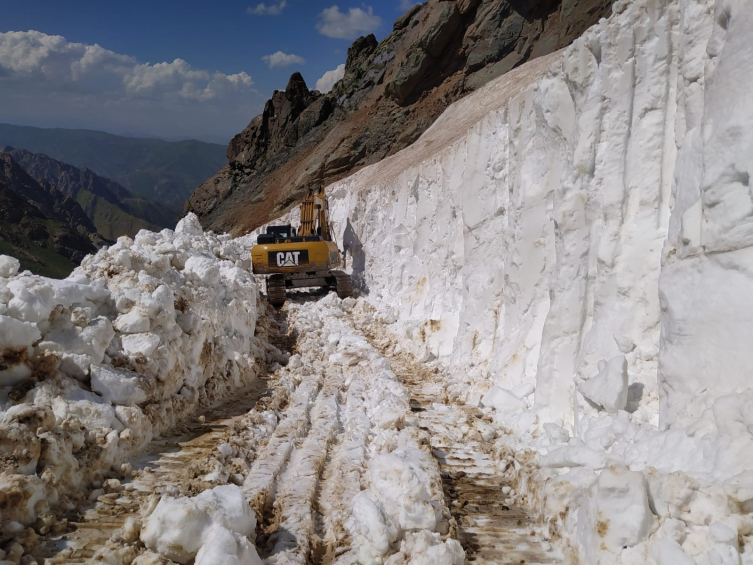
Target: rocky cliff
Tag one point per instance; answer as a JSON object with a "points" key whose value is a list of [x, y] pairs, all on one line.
{"points": [[392, 91]]}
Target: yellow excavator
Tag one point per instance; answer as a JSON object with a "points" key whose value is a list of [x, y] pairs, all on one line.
{"points": [[306, 258]]}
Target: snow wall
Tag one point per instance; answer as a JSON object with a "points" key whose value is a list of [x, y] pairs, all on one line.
{"points": [[591, 204], [577, 234]]}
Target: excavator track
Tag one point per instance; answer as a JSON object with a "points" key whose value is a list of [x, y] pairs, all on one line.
{"points": [[276, 290], [343, 284]]}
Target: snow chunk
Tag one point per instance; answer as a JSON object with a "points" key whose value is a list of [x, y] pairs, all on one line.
{"points": [[15, 334], [400, 480], [8, 266], [503, 400], [228, 548], [427, 548], [189, 225], [217, 521], [116, 386], [143, 343], [616, 515], [32, 299], [669, 552], [204, 269], [135, 321], [609, 388]]}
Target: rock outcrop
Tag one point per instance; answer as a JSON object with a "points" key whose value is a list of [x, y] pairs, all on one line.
{"points": [[392, 91]]}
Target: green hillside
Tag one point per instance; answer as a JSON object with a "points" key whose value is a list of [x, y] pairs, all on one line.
{"points": [[113, 209], [160, 170]]}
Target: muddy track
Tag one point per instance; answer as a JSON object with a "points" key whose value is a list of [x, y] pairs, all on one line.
{"points": [[489, 529], [174, 464]]}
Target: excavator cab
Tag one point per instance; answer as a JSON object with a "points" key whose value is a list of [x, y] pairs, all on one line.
{"points": [[301, 258]]}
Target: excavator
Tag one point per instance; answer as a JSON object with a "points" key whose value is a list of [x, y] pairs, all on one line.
{"points": [[306, 258]]}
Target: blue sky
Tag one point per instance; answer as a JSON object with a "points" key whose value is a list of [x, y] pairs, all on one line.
{"points": [[207, 74]]}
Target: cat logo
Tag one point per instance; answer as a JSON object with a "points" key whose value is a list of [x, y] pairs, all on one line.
{"points": [[289, 258]]}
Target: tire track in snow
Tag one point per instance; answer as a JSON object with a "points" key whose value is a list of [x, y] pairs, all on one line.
{"points": [[490, 529]]}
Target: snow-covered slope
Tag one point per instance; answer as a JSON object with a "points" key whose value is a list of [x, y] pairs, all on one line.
{"points": [[577, 234]]}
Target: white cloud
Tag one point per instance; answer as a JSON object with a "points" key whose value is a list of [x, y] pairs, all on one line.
{"points": [[406, 5], [281, 59], [76, 81], [329, 79], [272, 9], [340, 25]]}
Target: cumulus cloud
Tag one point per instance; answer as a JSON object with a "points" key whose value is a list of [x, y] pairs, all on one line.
{"points": [[73, 79], [329, 79], [280, 59], [340, 25], [271, 9]]}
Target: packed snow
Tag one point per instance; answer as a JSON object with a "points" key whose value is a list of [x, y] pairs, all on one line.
{"points": [[567, 250], [95, 365], [571, 246]]}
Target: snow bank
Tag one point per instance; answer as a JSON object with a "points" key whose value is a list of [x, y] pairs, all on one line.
{"points": [[93, 366], [582, 226]]}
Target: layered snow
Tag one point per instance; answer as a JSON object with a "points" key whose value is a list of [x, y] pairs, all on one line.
{"points": [[580, 229], [93, 366]]}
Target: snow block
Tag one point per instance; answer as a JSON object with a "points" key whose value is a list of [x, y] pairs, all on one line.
{"points": [[118, 387], [135, 321], [143, 343], [609, 388], [204, 269], [616, 515], [503, 400], [15, 334], [8, 266], [669, 552], [212, 527]]}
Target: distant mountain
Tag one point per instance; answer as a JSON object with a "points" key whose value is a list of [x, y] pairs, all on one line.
{"points": [[112, 209], [165, 171], [39, 225]]}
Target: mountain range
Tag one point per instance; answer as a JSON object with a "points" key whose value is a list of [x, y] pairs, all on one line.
{"points": [[112, 209], [164, 171], [46, 230]]}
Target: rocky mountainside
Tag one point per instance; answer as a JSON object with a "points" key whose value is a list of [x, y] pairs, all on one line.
{"points": [[165, 171], [47, 231], [112, 209], [392, 91]]}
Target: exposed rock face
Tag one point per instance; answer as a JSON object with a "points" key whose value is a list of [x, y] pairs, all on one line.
{"points": [[112, 209], [392, 91]]}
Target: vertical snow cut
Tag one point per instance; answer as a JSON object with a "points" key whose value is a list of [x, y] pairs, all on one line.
{"points": [[570, 246]]}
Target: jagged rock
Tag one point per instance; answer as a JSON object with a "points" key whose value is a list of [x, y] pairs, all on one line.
{"points": [[390, 93]]}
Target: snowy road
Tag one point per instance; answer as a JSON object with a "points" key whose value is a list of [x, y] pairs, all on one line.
{"points": [[480, 493], [346, 416]]}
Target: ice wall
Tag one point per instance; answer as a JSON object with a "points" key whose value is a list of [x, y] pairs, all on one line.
{"points": [[707, 281], [520, 239]]}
